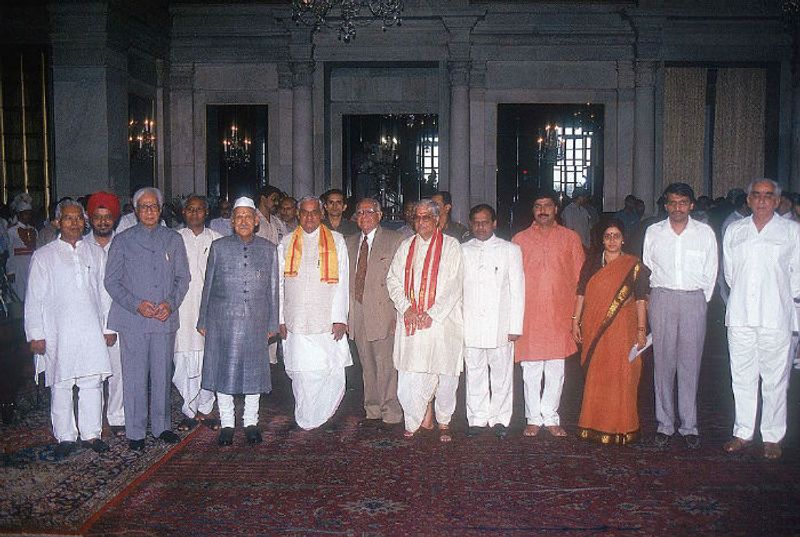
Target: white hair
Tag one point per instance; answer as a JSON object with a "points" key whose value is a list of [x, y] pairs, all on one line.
{"points": [[148, 190], [375, 203], [310, 198], [69, 203], [428, 203], [774, 184]]}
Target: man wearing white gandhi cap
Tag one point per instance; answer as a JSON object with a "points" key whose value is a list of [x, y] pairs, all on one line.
{"points": [[314, 294], [238, 315], [22, 243]]}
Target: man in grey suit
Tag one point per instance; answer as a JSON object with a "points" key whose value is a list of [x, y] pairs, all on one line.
{"points": [[372, 315], [147, 276]]}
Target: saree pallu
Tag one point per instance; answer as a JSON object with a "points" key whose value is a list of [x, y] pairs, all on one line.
{"points": [[609, 413]]}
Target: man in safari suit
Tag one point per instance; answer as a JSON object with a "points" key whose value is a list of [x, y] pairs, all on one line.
{"points": [[372, 315]]}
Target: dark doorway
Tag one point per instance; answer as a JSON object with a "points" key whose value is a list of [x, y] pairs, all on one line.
{"points": [[236, 150], [390, 157], [141, 141], [546, 146]]}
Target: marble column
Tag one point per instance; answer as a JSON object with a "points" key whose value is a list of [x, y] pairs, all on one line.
{"points": [[482, 187], [794, 177], [459, 139], [302, 130], [181, 131], [615, 191], [644, 144], [284, 138]]}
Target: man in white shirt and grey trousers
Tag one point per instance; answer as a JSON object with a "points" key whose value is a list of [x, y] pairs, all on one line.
{"points": [[762, 266], [682, 254]]}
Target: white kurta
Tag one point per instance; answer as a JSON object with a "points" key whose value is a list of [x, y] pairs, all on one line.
{"points": [[494, 292], [308, 307], [115, 411], [187, 338], [65, 308], [763, 272], [19, 259], [438, 349]]}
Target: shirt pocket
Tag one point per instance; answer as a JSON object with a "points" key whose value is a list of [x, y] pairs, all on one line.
{"points": [[695, 260]]}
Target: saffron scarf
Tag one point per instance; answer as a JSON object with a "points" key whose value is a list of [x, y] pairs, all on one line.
{"points": [[329, 262], [427, 290]]}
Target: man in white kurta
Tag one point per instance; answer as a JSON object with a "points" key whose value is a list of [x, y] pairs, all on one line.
{"points": [[429, 337], [189, 343], [762, 267], [22, 243], [314, 299], [64, 324], [103, 211], [494, 304]]}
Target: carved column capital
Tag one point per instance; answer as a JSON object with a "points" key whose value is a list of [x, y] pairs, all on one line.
{"points": [[459, 72]]}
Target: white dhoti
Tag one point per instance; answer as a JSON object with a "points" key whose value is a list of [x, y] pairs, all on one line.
{"points": [[115, 411], [541, 404], [754, 353], [90, 408], [227, 417], [415, 390], [187, 378], [315, 363], [490, 385]]}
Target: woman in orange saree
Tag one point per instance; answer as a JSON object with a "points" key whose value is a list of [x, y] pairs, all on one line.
{"points": [[610, 318]]}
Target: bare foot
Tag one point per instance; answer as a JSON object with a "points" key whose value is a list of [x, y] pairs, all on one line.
{"points": [[531, 430], [427, 421], [444, 433], [557, 430]]}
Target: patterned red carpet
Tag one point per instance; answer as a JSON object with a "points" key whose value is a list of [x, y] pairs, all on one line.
{"points": [[376, 483]]}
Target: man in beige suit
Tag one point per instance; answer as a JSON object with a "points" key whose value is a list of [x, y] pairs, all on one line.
{"points": [[372, 315]]}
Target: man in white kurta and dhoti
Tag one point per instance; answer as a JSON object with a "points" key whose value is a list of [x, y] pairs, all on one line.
{"points": [[425, 282], [762, 267], [494, 306], [189, 343], [314, 300], [64, 323]]}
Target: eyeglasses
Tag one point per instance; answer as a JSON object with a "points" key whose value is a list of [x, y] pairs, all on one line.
{"points": [[149, 207], [195, 209], [366, 212], [425, 217], [768, 196]]}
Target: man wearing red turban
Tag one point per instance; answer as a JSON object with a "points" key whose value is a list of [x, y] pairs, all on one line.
{"points": [[103, 210]]}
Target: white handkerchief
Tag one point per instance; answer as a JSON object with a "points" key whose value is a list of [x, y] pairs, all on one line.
{"points": [[634, 353]]}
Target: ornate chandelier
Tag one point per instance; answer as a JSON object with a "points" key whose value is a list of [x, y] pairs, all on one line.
{"points": [[141, 139], [550, 145], [236, 149], [347, 14]]}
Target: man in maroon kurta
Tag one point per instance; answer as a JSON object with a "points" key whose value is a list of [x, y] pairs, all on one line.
{"points": [[552, 256]]}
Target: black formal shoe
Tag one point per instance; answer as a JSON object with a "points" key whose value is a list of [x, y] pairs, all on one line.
{"points": [[252, 434], [117, 430], [661, 440], [136, 445], [473, 431], [500, 430], [225, 436], [169, 437], [692, 441], [370, 423], [187, 424], [63, 449], [96, 445]]}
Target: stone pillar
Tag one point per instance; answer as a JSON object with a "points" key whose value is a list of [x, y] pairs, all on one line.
{"points": [[482, 187], [181, 131], [302, 130], [645, 132], [90, 104], [794, 176], [459, 138], [616, 190], [285, 130]]}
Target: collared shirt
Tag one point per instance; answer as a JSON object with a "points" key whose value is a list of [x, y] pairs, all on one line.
{"points": [[370, 238], [763, 271], [273, 229], [685, 262]]}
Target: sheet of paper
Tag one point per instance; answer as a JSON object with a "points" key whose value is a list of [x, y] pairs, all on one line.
{"points": [[634, 352]]}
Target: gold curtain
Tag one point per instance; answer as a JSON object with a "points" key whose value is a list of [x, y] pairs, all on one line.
{"points": [[684, 126], [738, 128]]}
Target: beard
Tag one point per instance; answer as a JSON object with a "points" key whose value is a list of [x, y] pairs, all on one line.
{"points": [[103, 232]]}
